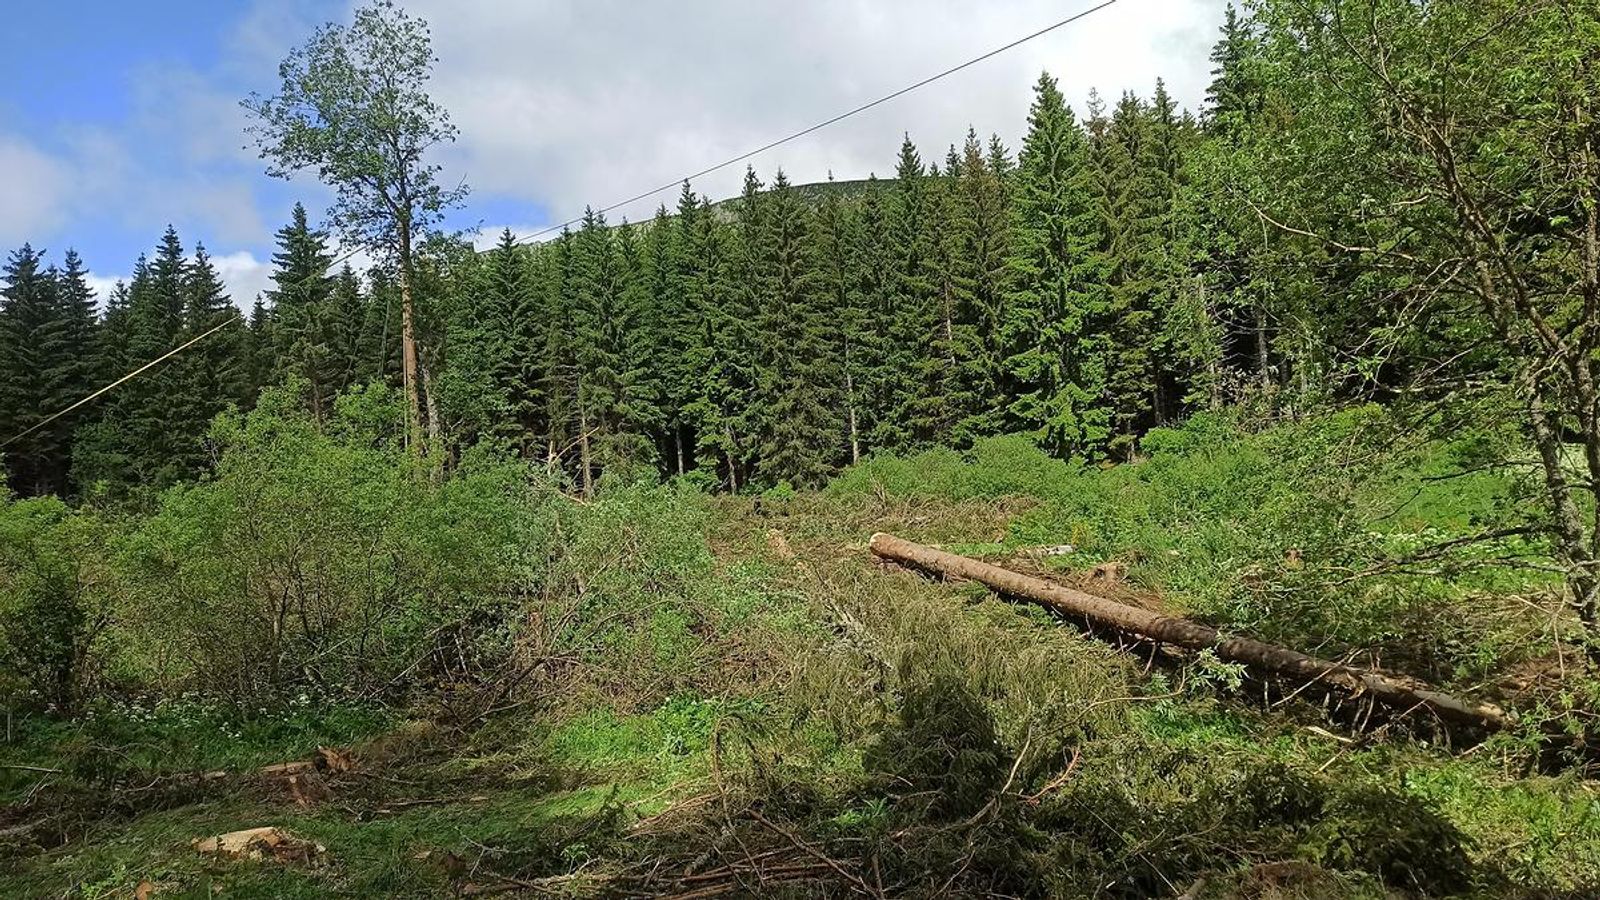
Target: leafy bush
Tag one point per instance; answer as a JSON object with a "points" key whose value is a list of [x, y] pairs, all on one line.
{"points": [[52, 602], [323, 559]]}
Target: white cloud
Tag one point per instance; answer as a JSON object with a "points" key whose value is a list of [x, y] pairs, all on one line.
{"points": [[245, 276], [564, 104], [487, 237], [34, 188], [103, 285]]}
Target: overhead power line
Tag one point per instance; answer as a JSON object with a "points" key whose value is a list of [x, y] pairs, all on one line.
{"points": [[826, 122]]}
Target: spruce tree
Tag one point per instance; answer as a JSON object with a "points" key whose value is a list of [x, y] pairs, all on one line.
{"points": [[1187, 351], [1233, 96], [258, 355], [981, 240], [75, 373], [691, 287], [1129, 214], [28, 337], [729, 267], [152, 453], [99, 452], [558, 365], [300, 308], [797, 385], [633, 331], [663, 326], [836, 239], [880, 377], [942, 401], [596, 302], [499, 340], [914, 325], [212, 374], [380, 349], [345, 323], [1055, 314]]}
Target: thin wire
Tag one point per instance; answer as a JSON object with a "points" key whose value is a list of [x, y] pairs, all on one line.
{"points": [[824, 124], [170, 353], [128, 377]]}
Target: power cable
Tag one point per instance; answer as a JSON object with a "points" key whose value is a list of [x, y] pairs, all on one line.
{"points": [[128, 377]]}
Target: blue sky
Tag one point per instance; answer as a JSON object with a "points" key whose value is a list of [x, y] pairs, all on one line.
{"points": [[111, 109], [118, 118]]}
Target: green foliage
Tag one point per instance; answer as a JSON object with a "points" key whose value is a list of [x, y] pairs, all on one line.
{"points": [[48, 359], [354, 107], [53, 603], [1055, 325], [320, 559]]}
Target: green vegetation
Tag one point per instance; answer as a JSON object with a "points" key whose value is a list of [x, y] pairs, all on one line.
{"points": [[666, 668], [544, 569]]}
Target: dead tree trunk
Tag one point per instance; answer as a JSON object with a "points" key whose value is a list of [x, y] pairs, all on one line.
{"points": [[1398, 691]]}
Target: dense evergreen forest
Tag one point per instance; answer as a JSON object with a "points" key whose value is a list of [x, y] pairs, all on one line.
{"points": [[1082, 290], [547, 568]]}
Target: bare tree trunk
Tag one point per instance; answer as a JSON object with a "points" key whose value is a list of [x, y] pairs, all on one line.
{"points": [[677, 440], [850, 401], [583, 452], [1572, 546], [1263, 368], [1398, 691], [435, 426], [408, 345]]}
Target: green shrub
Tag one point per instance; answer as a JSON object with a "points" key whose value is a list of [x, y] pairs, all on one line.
{"points": [[324, 559], [52, 602], [632, 603]]}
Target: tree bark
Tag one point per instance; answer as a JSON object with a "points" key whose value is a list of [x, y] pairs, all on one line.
{"points": [[850, 400], [583, 452], [408, 346], [1398, 691], [435, 423]]}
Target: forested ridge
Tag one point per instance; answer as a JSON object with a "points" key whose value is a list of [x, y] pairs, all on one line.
{"points": [[547, 567]]}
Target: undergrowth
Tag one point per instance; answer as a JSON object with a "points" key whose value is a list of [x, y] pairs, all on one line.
{"points": [[685, 694]]}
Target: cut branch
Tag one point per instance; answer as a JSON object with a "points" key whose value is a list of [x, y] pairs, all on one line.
{"points": [[1395, 690]]}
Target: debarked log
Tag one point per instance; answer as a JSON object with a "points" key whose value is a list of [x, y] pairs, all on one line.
{"points": [[1395, 690]]}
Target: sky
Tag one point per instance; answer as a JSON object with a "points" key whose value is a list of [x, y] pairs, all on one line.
{"points": [[117, 119]]}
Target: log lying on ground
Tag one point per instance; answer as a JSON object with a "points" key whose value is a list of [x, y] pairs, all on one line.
{"points": [[1399, 691]]}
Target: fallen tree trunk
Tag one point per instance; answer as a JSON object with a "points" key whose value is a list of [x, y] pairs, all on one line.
{"points": [[1399, 691]]}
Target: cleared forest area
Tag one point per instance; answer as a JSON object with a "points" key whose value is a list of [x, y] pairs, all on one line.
{"points": [[729, 695], [1178, 504]]}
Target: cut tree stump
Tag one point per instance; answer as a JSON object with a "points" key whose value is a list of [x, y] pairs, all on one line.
{"points": [[1395, 690], [268, 842]]}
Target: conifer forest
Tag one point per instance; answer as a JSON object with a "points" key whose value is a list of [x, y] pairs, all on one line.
{"points": [[1175, 502]]}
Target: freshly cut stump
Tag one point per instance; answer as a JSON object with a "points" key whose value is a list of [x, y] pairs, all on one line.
{"points": [[268, 842]]}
